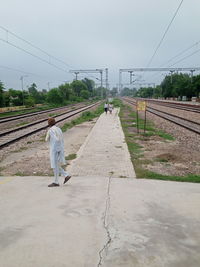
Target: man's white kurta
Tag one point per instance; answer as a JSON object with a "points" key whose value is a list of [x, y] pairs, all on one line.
{"points": [[55, 138]]}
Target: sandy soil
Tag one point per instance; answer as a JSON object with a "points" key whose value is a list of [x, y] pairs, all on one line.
{"points": [[33, 159]]}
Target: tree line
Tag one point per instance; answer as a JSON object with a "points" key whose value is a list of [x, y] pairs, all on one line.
{"points": [[172, 86], [66, 93]]}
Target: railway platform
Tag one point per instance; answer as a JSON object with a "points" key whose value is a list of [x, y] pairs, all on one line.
{"points": [[103, 216]]}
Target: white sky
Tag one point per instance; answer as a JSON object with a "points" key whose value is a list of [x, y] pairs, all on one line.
{"points": [[91, 34]]}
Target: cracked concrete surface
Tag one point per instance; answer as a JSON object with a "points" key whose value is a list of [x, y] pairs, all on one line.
{"points": [[97, 219]]}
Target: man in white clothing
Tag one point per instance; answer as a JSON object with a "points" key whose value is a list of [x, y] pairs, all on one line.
{"points": [[57, 157]]}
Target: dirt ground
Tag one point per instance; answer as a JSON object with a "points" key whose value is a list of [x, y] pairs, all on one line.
{"points": [[169, 157], [33, 159]]}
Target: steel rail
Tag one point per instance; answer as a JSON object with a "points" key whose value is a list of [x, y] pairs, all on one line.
{"points": [[29, 114], [170, 117], [15, 136], [35, 122]]}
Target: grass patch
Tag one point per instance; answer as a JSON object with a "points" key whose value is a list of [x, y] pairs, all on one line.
{"points": [[71, 157], [21, 124], [20, 149], [1, 169], [191, 178], [85, 116], [161, 160], [165, 135]]}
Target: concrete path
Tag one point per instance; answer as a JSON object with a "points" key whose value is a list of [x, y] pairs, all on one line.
{"points": [[97, 219], [104, 152]]}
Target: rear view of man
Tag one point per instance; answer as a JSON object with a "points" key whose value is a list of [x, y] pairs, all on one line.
{"points": [[57, 157]]}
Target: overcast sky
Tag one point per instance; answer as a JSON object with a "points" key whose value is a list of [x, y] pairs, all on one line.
{"points": [[91, 34]]}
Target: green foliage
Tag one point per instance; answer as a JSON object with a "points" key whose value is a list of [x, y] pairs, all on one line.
{"points": [[1, 94], [173, 86], [85, 116], [78, 86], [84, 94], [90, 85], [128, 92], [54, 97], [70, 157], [30, 102]]}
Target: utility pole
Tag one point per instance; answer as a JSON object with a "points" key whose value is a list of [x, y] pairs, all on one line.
{"points": [[106, 81], [171, 71], [192, 75], [76, 73], [101, 73], [48, 86]]}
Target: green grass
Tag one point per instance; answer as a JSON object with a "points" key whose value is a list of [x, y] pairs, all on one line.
{"points": [[21, 124], [85, 116], [191, 178], [20, 149], [70, 157]]}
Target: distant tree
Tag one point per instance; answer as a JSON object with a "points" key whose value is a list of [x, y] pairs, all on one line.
{"points": [[65, 91], [54, 97], [16, 97], [36, 96], [1, 94], [90, 85], [78, 86], [30, 102], [6, 99], [127, 91], [84, 94], [114, 92]]}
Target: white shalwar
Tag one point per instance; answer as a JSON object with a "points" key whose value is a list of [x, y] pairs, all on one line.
{"points": [[57, 157]]}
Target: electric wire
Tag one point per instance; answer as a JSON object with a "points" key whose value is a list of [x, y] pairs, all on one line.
{"points": [[34, 46], [159, 44], [179, 54], [22, 49]]}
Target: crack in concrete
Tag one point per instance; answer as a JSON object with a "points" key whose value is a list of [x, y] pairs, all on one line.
{"points": [[105, 223]]}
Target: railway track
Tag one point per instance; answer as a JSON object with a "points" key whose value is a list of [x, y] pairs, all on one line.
{"points": [[182, 106], [31, 114], [187, 124], [10, 136]]}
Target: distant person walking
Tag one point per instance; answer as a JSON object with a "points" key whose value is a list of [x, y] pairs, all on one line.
{"points": [[106, 107], [110, 108], [57, 157]]}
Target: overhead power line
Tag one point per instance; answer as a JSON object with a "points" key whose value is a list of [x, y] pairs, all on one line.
{"points": [[185, 57], [34, 46], [17, 70], [22, 49], [159, 44], [179, 54]]}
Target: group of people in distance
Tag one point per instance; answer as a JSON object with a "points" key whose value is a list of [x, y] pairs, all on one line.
{"points": [[108, 107]]}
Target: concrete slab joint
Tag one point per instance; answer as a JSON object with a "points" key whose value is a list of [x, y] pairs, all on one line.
{"points": [[106, 224]]}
